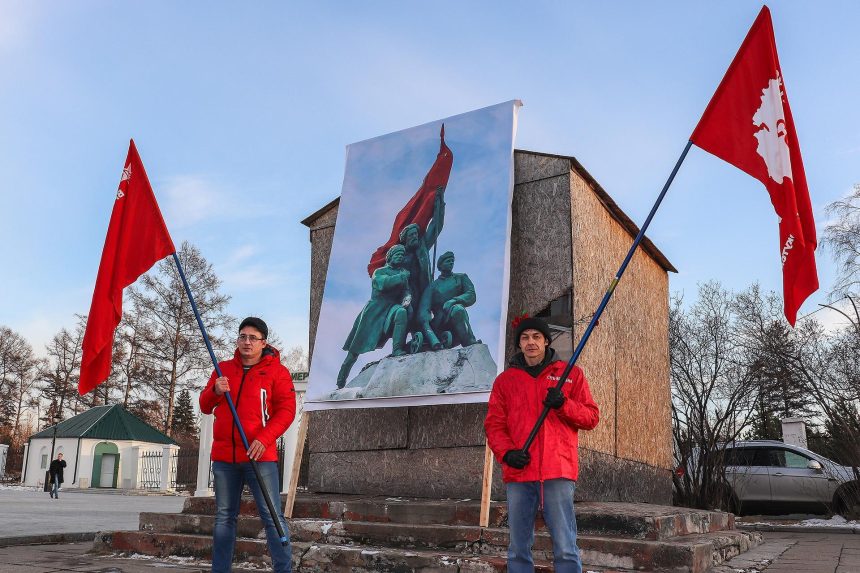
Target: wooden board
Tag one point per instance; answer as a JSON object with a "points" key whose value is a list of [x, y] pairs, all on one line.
{"points": [[297, 464]]}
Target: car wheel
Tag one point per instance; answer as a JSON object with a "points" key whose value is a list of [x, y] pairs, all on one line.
{"points": [[846, 501]]}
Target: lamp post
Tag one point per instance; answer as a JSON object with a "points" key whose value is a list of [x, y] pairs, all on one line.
{"points": [[56, 419]]}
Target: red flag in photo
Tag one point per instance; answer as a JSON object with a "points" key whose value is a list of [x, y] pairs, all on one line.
{"points": [[419, 209], [748, 123], [137, 238]]}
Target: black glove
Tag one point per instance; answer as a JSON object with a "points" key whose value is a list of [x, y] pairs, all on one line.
{"points": [[517, 458], [554, 398]]}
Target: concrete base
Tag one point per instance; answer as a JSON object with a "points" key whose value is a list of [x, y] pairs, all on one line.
{"points": [[438, 451]]}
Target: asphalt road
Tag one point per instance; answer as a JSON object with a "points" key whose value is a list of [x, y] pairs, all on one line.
{"points": [[26, 513]]}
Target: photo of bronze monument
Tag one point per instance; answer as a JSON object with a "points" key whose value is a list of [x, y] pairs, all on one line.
{"points": [[412, 334]]}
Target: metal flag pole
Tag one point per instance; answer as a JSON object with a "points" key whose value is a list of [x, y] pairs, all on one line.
{"points": [[596, 317], [266, 494]]}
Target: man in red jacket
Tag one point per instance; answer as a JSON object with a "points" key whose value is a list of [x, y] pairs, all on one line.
{"points": [[265, 400], [544, 477]]}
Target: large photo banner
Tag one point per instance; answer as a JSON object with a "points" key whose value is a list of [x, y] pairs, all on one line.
{"points": [[416, 292]]}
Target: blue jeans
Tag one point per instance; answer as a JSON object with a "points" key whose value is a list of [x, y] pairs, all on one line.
{"points": [[229, 481], [523, 502], [55, 487]]}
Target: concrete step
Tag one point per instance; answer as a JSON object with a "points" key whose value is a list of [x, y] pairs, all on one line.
{"points": [[307, 557], [463, 538], [357, 532], [636, 520], [646, 521], [252, 551], [694, 553], [359, 508]]}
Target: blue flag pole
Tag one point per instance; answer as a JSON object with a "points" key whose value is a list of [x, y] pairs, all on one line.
{"points": [[596, 317], [266, 494]]}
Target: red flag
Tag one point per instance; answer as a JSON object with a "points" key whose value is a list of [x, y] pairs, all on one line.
{"points": [[419, 209], [137, 238], [749, 124]]}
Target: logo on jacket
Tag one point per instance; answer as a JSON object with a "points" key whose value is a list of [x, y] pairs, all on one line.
{"points": [[557, 378]]}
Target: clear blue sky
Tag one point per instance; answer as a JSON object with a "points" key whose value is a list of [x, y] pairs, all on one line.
{"points": [[242, 111]]}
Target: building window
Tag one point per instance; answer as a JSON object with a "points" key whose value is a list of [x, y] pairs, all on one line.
{"points": [[44, 461], [558, 314]]}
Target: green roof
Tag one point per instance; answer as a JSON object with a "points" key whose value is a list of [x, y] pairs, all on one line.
{"points": [[106, 423]]}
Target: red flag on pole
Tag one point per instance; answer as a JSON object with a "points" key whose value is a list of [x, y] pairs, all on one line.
{"points": [[749, 124], [419, 209], [137, 238]]}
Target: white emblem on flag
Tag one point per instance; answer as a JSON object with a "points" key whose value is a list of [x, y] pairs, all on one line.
{"points": [[769, 121], [126, 175]]}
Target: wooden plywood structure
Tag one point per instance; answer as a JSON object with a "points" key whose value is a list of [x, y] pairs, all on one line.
{"points": [[567, 238]]}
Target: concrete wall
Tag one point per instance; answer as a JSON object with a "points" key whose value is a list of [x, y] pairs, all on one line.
{"points": [[34, 472], [564, 232]]}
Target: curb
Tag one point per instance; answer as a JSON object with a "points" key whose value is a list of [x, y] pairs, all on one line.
{"points": [[797, 528], [48, 538]]}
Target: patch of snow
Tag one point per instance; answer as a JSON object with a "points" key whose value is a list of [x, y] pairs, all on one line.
{"points": [[17, 487], [835, 521], [326, 526], [139, 556], [369, 552], [755, 523]]}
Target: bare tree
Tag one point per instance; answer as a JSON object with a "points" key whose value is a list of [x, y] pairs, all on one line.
{"points": [[60, 373], [170, 344], [713, 394], [295, 359], [842, 236], [768, 343], [129, 363], [18, 368]]}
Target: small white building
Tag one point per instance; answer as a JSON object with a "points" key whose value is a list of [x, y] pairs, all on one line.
{"points": [[105, 447]]}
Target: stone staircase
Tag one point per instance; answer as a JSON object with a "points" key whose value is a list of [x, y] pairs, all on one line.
{"points": [[355, 533]]}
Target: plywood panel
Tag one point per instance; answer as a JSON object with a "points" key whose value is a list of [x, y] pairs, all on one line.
{"points": [[627, 358]]}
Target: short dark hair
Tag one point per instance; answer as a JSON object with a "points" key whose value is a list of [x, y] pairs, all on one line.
{"points": [[257, 323]]}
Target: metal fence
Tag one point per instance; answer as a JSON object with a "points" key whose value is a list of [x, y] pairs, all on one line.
{"points": [[185, 462], [149, 469]]}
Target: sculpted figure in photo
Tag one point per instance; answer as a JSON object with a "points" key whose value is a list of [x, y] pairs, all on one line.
{"points": [[442, 310], [384, 316]]}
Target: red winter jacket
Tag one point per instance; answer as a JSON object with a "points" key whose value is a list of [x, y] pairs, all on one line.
{"points": [[265, 400], [515, 405]]}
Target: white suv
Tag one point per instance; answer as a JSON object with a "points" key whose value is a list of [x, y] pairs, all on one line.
{"points": [[775, 476]]}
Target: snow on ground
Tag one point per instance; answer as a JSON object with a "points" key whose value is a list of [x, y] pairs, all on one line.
{"points": [[19, 487], [835, 521]]}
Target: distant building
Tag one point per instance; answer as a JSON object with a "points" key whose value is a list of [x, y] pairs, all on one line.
{"points": [[105, 447]]}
